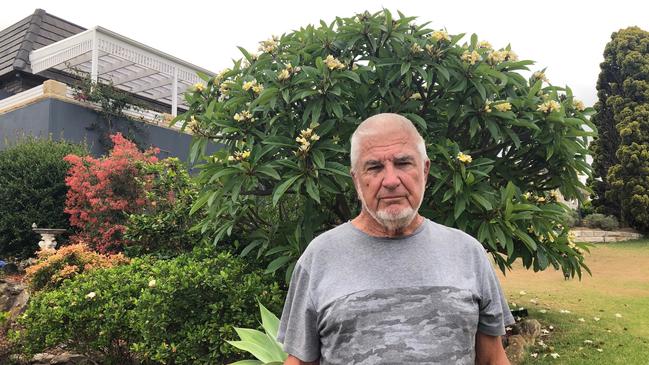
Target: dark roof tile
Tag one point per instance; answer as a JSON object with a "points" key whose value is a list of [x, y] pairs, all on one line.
{"points": [[35, 31]]}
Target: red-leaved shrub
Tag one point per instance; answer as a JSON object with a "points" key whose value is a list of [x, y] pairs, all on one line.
{"points": [[103, 192]]}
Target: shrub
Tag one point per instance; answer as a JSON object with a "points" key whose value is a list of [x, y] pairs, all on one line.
{"points": [[55, 266], [285, 117], [586, 208], [103, 191], [164, 227], [132, 189], [601, 221], [572, 218], [32, 190], [177, 311]]}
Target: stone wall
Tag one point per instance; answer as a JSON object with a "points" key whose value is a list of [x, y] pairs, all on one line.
{"points": [[598, 235]]}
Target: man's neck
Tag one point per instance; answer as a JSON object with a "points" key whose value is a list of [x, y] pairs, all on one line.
{"points": [[367, 224]]}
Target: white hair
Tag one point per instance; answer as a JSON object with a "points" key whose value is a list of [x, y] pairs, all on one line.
{"points": [[376, 124]]}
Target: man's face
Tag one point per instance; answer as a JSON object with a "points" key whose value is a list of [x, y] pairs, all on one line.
{"points": [[390, 177]]}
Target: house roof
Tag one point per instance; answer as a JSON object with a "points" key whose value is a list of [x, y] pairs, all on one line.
{"points": [[45, 45], [35, 31]]}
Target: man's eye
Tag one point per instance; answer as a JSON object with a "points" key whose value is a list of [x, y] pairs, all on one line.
{"points": [[374, 168]]}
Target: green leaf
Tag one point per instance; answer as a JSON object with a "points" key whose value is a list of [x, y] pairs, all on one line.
{"points": [[312, 190], [535, 89], [405, 67], [527, 240], [276, 264], [352, 76], [281, 189], [460, 206], [419, 121], [481, 90], [269, 321], [318, 158], [269, 171], [482, 201], [248, 362], [200, 202], [256, 350]]}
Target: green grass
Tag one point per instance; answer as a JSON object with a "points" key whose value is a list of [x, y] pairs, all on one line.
{"points": [[619, 285]]}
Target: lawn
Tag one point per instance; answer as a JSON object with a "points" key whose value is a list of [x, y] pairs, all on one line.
{"points": [[602, 319]]}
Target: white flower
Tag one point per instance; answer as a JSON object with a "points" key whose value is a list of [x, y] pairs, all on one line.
{"points": [[416, 48], [522, 292], [464, 158], [503, 107], [618, 315], [496, 57], [551, 328], [564, 311], [283, 75], [470, 57], [91, 295], [539, 75], [533, 301], [333, 63], [439, 35], [581, 320], [554, 355], [543, 311], [600, 350], [484, 44], [596, 319], [534, 354], [549, 106], [588, 342], [152, 283]]}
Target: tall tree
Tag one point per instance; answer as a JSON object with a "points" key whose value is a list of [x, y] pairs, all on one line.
{"points": [[499, 143], [621, 152]]}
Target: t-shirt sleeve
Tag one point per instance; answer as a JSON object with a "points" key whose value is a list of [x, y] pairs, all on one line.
{"points": [[494, 310], [298, 330]]}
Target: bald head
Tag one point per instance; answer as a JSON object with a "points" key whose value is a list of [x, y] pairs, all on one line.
{"points": [[384, 124]]}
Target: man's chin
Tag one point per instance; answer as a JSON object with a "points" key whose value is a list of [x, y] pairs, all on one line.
{"points": [[396, 220]]}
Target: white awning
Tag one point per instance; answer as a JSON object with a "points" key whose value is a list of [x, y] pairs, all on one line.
{"points": [[129, 65]]}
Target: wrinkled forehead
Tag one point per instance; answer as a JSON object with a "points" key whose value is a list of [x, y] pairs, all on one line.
{"points": [[394, 144]]}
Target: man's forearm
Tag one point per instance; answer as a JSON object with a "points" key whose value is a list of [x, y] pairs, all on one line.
{"points": [[292, 360]]}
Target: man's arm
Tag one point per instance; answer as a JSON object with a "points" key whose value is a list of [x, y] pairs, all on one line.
{"points": [[292, 360], [489, 350]]}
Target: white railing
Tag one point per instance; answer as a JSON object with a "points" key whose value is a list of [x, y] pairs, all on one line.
{"points": [[21, 98]]}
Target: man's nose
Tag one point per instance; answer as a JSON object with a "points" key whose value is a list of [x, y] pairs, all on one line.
{"points": [[391, 178]]}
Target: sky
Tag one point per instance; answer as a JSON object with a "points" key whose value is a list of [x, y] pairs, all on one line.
{"points": [[566, 37]]}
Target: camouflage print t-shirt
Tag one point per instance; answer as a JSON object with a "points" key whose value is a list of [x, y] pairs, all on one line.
{"points": [[357, 299]]}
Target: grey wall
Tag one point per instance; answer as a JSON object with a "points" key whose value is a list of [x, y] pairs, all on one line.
{"points": [[73, 123]]}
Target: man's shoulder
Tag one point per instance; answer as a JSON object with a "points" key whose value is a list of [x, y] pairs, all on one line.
{"points": [[327, 243], [452, 236]]}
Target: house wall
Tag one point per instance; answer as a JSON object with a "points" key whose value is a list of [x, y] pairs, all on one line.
{"points": [[73, 123]]}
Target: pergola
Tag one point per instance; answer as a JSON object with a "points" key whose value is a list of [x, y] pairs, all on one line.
{"points": [[129, 65]]}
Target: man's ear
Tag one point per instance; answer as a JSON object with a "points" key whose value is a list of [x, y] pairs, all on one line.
{"points": [[426, 169]]}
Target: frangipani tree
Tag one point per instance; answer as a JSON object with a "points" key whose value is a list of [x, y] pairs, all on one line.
{"points": [[500, 144]]}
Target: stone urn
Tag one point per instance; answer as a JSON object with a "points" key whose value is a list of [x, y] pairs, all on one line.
{"points": [[48, 237]]}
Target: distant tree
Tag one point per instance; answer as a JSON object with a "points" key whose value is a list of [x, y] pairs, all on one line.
{"points": [[621, 152]]}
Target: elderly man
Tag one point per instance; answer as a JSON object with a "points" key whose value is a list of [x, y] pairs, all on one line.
{"points": [[391, 287]]}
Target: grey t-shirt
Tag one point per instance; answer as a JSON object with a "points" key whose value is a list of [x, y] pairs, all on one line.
{"points": [[358, 299]]}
